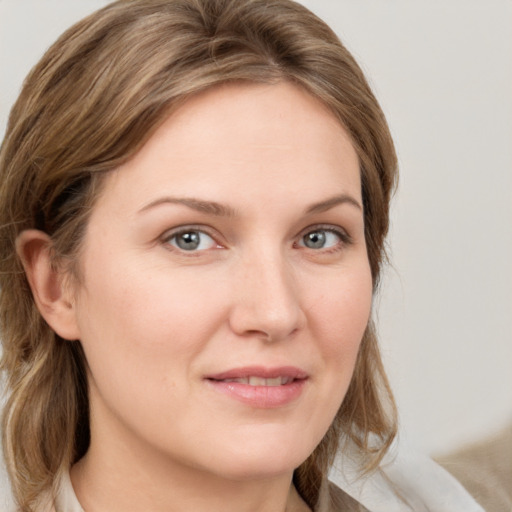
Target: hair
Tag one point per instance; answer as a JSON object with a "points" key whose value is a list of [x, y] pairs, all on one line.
{"points": [[89, 105]]}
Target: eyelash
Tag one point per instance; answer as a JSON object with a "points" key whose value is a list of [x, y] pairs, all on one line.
{"points": [[173, 234], [344, 238]]}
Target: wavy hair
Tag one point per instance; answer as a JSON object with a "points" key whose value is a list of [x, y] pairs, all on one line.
{"points": [[89, 105]]}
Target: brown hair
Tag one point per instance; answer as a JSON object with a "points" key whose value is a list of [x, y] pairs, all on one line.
{"points": [[92, 101]]}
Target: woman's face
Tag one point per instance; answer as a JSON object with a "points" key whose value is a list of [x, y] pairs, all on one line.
{"points": [[226, 286]]}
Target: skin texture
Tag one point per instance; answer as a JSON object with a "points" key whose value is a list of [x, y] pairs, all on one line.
{"points": [[155, 320]]}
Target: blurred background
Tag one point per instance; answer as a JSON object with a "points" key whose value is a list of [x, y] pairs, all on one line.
{"points": [[442, 71]]}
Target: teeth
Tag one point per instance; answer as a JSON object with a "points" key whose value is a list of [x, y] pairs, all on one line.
{"points": [[260, 381], [257, 381], [278, 381]]}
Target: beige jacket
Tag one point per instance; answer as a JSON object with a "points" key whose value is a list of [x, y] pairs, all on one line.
{"points": [[333, 499]]}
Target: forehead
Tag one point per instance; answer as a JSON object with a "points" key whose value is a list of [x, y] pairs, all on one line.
{"points": [[274, 140]]}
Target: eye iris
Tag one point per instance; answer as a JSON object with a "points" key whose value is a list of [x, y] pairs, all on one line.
{"points": [[315, 240], [188, 241]]}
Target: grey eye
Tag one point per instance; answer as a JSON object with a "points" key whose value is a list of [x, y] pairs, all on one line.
{"points": [[314, 240], [320, 239], [192, 241]]}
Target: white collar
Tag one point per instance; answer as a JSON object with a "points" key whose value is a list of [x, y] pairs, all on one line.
{"points": [[423, 485], [66, 499]]}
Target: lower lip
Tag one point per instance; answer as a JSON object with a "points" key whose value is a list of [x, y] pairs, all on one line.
{"points": [[261, 397]]}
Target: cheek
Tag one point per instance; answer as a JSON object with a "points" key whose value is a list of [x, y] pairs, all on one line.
{"points": [[144, 320], [342, 312], [141, 338], [338, 315], [339, 319]]}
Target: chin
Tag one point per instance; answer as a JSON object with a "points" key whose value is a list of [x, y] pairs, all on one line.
{"points": [[270, 468], [268, 458]]}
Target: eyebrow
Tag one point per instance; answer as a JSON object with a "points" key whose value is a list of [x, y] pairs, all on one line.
{"points": [[323, 206], [208, 207], [221, 210]]}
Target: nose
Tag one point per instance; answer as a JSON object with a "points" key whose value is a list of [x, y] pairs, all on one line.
{"points": [[266, 302]]}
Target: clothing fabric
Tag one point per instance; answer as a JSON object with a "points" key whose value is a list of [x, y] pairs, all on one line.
{"points": [[333, 499], [407, 481]]}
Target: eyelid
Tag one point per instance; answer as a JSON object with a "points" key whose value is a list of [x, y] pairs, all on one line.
{"points": [[186, 228], [343, 234]]}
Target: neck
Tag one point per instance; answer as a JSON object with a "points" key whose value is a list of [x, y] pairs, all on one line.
{"points": [[111, 480]]}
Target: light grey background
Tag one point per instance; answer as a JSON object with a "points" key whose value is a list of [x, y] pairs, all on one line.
{"points": [[443, 73]]}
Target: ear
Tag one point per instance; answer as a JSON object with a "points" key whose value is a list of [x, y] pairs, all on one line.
{"points": [[50, 286]]}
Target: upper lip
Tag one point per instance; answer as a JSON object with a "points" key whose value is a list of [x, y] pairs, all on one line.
{"points": [[263, 372]]}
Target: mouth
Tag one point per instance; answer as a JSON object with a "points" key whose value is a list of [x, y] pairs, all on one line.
{"points": [[258, 387], [261, 381]]}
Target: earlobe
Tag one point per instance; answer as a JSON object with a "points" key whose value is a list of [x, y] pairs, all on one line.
{"points": [[49, 285]]}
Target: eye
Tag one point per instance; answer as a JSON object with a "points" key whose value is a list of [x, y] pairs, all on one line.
{"points": [[323, 239], [191, 240]]}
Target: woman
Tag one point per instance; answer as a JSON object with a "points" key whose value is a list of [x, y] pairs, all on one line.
{"points": [[194, 203]]}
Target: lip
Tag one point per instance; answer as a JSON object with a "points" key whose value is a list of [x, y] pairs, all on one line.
{"points": [[260, 396]]}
